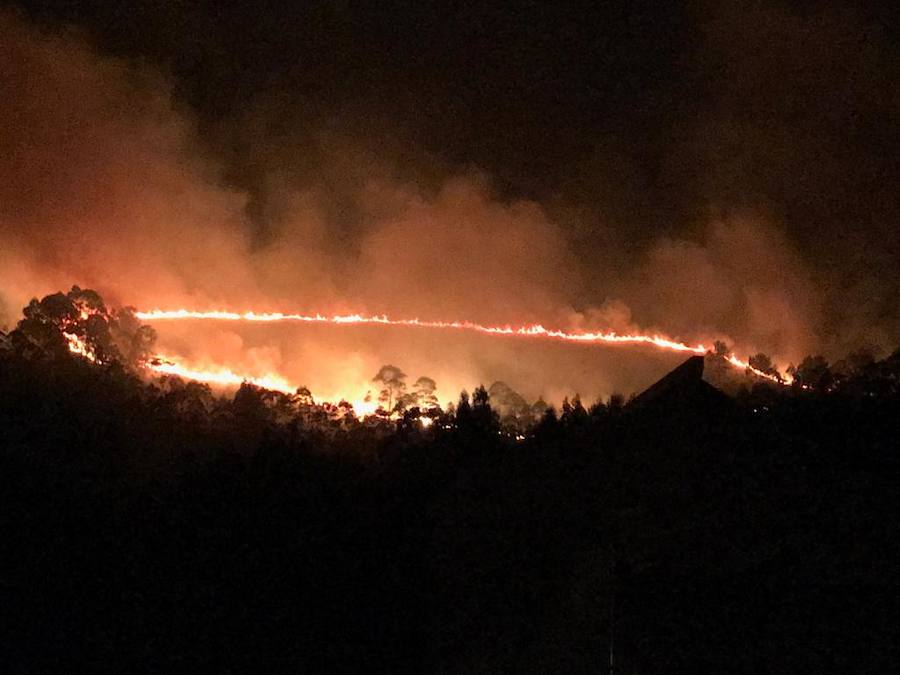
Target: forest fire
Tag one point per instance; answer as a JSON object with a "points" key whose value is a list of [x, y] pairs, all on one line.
{"points": [[534, 330], [102, 335], [77, 346], [221, 376], [226, 377], [447, 337]]}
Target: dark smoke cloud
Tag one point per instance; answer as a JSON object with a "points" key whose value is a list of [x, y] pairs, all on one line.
{"points": [[747, 195]]}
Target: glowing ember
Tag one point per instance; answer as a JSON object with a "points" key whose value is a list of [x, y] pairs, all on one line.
{"points": [[536, 330]]}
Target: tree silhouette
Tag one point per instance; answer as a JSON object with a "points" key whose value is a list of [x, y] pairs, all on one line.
{"points": [[576, 414], [813, 373], [424, 389], [538, 408], [159, 513], [615, 404], [514, 411], [109, 336], [484, 419], [393, 385], [763, 364]]}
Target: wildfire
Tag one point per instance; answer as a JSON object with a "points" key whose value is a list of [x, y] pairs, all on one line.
{"points": [[535, 330], [227, 377], [221, 376], [77, 346]]}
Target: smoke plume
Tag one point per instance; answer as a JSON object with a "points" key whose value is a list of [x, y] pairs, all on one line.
{"points": [[109, 179]]}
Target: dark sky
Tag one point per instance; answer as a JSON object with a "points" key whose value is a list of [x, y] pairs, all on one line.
{"points": [[630, 123], [533, 92]]}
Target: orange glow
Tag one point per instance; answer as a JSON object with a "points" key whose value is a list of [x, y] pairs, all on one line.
{"points": [[224, 376], [534, 330], [744, 365], [221, 376], [77, 346]]}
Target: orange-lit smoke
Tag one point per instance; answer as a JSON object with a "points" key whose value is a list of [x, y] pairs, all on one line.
{"points": [[534, 330], [106, 182], [225, 377]]}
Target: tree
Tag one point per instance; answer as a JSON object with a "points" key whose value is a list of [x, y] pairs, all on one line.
{"points": [[133, 340], [548, 427], [578, 414], [507, 401], [248, 404], [57, 321], [483, 416], [393, 385], [598, 410], [812, 373], [538, 408], [855, 363], [615, 404], [720, 349], [305, 397], [45, 322], [463, 410], [424, 389], [763, 364], [192, 401]]}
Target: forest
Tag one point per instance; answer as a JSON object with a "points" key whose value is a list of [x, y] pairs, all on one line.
{"points": [[151, 524]]}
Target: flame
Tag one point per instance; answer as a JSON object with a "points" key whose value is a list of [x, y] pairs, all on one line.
{"points": [[220, 375], [223, 376], [534, 330], [78, 346], [745, 365], [363, 407]]}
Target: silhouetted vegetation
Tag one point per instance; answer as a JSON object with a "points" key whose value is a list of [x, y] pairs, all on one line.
{"points": [[158, 527]]}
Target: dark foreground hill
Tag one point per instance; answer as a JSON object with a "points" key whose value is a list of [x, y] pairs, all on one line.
{"points": [[141, 531]]}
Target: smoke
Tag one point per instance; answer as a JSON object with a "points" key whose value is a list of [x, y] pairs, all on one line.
{"points": [[100, 181], [106, 180], [742, 281]]}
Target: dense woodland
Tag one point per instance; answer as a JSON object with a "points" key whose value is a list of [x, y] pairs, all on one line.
{"points": [[156, 526]]}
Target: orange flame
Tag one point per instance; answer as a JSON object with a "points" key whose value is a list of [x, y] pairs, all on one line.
{"points": [[227, 377], [77, 346], [221, 376], [535, 330]]}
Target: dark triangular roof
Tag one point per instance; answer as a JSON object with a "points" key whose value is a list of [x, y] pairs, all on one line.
{"points": [[682, 388]]}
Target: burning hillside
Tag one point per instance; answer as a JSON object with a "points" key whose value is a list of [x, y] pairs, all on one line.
{"points": [[80, 322]]}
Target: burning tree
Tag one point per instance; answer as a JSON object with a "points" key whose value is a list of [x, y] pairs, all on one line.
{"points": [[79, 322], [763, 364]]}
